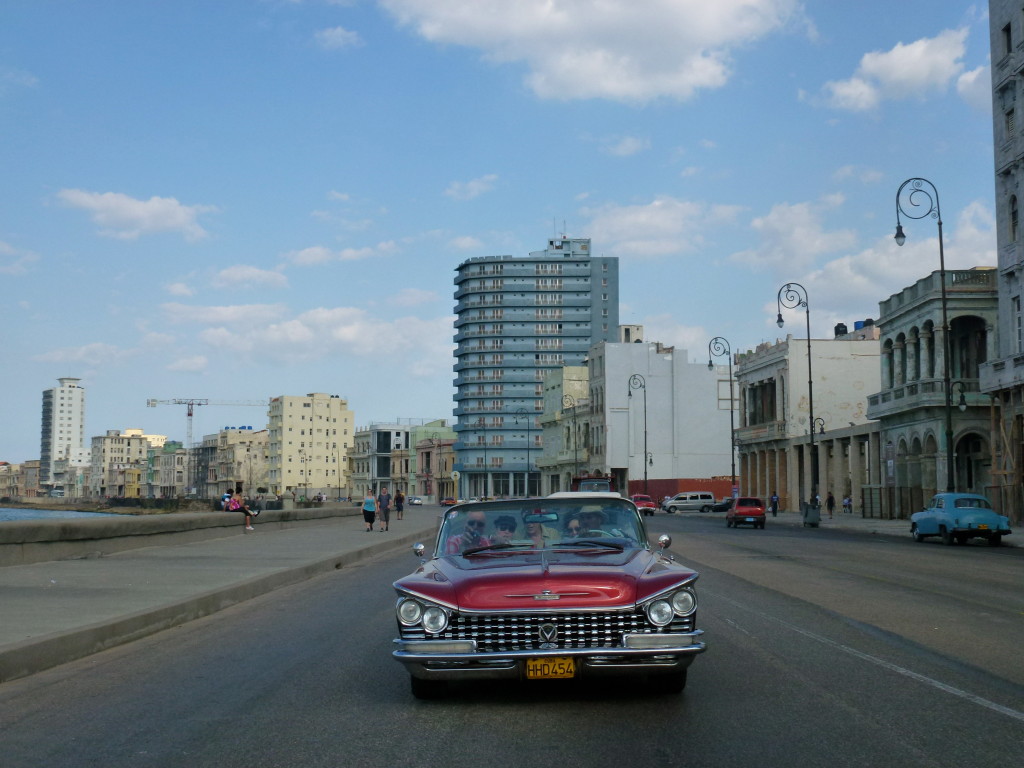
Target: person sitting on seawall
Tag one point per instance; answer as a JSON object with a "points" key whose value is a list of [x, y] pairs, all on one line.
{"points": [[504, 530], [471, 536], [538, 533]]}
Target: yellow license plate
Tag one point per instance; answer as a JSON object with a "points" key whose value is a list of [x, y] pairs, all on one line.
{"points": [[550, 668], [982, 527]]}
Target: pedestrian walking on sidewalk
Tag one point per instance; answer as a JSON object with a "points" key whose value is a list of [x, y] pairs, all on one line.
{"points": [[830, 503], [383, 508], [847, 505], [399, 503], [369, 510], [774, 503]]}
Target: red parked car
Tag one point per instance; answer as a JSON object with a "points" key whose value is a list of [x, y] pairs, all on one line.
{"points": [[747, 511], [565, 586], [644, 503]]}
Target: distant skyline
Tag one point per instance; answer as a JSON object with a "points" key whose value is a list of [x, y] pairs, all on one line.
{"points": [[250, 198]]}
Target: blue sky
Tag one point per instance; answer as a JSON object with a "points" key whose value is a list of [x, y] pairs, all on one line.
{"points": [[248, 198]]}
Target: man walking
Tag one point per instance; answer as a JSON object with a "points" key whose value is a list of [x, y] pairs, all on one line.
{"points": [[383, 508]]}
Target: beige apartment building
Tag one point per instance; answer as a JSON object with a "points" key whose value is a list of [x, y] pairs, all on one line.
{"points": [[113, 454], [309, 439]]}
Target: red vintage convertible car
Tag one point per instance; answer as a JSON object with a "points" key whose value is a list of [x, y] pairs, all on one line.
{"points": [[565, 586]]}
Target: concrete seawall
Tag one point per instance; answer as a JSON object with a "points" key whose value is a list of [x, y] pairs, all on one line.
{"points": [[37, 541]]}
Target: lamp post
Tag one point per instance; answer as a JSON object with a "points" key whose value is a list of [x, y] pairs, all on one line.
{"points": [[568, 401], [434, 469], [926, 198], [636, 381], [522, 412], [791, 296], [717, 347]]}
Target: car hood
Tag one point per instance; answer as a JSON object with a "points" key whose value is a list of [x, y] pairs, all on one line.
{"points": [[545, 579]]}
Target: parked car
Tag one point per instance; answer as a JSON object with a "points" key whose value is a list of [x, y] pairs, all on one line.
{"points": [[448, 501], [690, 501], [722, 506], [644, 503], [958, 517], [414, 501], [511, 592], [748, 511]]}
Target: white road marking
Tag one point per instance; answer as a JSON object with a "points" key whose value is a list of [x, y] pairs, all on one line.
{"points": [[1015, 714]]}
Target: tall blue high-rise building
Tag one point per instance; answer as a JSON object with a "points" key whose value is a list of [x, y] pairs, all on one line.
{"points": [[519, 318]]}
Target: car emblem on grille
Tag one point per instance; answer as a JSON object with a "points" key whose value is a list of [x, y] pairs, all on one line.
{"points": [[548, 634]]}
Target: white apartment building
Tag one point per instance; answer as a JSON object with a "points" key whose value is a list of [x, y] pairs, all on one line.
{"points": [[63, 432], [309, 442], [373, 456], [773, 431]]}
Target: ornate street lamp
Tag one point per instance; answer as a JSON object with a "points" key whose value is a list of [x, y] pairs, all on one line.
{"points": [[717, 347], [926, 198], [568, 401], [791, 296], [819, 424], [962, 402], [636, 381]]}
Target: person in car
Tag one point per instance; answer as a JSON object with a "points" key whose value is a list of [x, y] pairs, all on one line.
{"points": [[504, 529], [471, 536], [538, 533]]}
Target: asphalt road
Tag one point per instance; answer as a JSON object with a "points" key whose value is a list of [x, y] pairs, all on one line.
{"points": [[826, 648]]}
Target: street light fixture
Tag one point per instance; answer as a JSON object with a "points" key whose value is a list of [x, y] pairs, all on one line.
{"points": [[926, 198], [717, 347], [636, 381], [791, 296], [522, 412], [568, 401], [819, 424], [482, 423], [962, 402]]}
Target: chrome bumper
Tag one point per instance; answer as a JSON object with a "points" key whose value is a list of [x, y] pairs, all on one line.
{"points": [[437, 659]]}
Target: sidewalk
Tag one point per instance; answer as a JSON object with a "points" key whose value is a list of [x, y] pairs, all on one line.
{"points": [[55, 612], [847, 521]]}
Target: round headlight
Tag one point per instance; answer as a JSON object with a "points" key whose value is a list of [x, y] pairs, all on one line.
{"points": [[409, 612], [683, 602], [659, 613], [434, 619]]}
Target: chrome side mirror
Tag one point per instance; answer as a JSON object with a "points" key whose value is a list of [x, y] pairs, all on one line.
{"points": [[664, 541], [418, 549]]}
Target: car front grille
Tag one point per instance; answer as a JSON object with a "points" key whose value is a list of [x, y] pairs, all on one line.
{"points": [[498, 632]]}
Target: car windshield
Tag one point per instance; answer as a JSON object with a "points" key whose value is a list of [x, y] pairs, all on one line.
{"points": [[972, 504], [607, 523]]}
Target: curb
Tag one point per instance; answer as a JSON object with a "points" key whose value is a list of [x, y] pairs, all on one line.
{"points": [[38, 654]]}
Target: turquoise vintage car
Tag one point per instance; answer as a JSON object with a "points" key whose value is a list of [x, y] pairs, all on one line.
{"points": [[958, 517]]}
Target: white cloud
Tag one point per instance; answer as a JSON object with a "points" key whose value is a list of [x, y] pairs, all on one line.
{"points": [[15, 261], [16, 78], [466, 243], [95, 354], [416, 345], [861, 174], [627, 145], [243, 276], [975, 88], [662, 227], [316, 254], [410, 297], [336, 38], [905, 71], [793, 236], [666, 329], [190, 364], [467, 190], [179, 289], [616, 49], [126, 218], [229, 314]]}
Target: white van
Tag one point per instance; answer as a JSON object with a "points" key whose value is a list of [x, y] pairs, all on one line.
{"points": [[690, 501]]}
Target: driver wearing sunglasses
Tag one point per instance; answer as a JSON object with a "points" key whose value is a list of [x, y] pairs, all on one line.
{"points": [[472, 535]]}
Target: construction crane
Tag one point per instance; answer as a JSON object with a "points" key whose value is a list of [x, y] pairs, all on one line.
{"points": [[192, 402]]}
